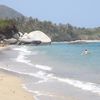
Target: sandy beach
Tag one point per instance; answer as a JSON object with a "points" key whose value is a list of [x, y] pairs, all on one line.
{"points": [[54, 72], [10, 88]]}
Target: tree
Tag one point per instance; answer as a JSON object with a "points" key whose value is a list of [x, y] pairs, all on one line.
{"points": [[7, 28]]}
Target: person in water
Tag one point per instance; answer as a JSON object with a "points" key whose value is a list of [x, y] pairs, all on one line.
{"points": [[85, 52]]}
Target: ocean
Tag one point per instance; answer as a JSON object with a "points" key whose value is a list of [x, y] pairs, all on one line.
{"points": [[56, 72]]}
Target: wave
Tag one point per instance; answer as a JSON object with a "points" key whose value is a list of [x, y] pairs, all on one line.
{"points": [[37, 93], [34, 92], [43, 76], [22, 49], [88, 86], [23, 59], [43, 67]]}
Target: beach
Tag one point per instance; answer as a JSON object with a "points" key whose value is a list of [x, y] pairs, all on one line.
{"points": [[51, 72], [11, 86], [11, 89]]}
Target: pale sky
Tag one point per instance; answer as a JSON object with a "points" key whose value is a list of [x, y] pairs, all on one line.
{"points": [[81, 13]]}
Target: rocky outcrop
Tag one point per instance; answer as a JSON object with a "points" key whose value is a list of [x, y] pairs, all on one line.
{"points": [[11, 41], [35, 37]]}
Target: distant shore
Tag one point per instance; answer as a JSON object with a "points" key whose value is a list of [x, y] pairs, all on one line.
{"points": [[78, 41], [84, 41]]}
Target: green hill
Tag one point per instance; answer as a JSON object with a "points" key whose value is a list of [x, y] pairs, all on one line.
{"points": [[57, 32]]}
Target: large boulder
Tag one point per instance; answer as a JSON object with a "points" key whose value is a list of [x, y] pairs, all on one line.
{"points": [[35, 37], [39, 36]]}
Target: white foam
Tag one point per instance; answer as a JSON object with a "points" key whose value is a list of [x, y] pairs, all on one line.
{"points": [[44, 77], [34, 92], [26, 51], [37, 93], [40, 74], [22, 49], [87, 86], [43, 67], [22, 58], [84, 41], [22, 55]]}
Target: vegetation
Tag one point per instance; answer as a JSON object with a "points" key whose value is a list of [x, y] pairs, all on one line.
{"points": [[57, 32], [60, 32], [7, 29]]}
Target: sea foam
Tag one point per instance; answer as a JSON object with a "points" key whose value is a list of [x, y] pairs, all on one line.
{"points": [[22, 57], [87, 86]]}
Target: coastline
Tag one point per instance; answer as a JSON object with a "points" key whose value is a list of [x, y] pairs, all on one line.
{"points": [[84, 41], [11, 89], [78, 41], [36, 92]]}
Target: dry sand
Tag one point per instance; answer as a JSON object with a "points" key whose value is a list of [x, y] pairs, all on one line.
{"points": [[10, 88]]}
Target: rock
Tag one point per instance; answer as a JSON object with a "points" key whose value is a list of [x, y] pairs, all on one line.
{"points": [[35, 37], [11, 41]]}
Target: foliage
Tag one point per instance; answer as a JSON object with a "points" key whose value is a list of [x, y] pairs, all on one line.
{"points": [[57, 32], [7, 29]]}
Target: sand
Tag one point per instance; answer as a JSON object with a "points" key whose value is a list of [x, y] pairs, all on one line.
{"points": [[4, 47], [11, 89]]}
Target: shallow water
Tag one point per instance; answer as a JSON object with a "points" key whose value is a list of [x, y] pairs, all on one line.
{"points": [[57, 71]]}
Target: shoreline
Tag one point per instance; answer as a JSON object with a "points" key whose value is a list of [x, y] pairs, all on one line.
{"points": [[79, 41], [25, 89], [84, 41], [11, 85], [11, 89]]}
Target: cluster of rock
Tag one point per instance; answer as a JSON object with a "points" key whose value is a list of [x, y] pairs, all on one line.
{"points": [[35, 37]]}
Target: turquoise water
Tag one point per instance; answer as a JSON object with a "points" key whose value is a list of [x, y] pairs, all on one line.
{"points": [[67, 59], [58, 71]]}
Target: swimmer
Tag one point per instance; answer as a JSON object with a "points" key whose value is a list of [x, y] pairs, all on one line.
{"points": [[85, 52]]}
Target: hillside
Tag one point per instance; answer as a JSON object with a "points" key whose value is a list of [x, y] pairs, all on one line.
{"points": [[57, 32], [8, 13]]}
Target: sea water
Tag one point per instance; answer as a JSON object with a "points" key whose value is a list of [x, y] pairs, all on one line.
{"points": [[58, 71]]}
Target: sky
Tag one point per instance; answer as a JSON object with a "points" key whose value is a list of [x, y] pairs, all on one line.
{"points": [[80, 13]]}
